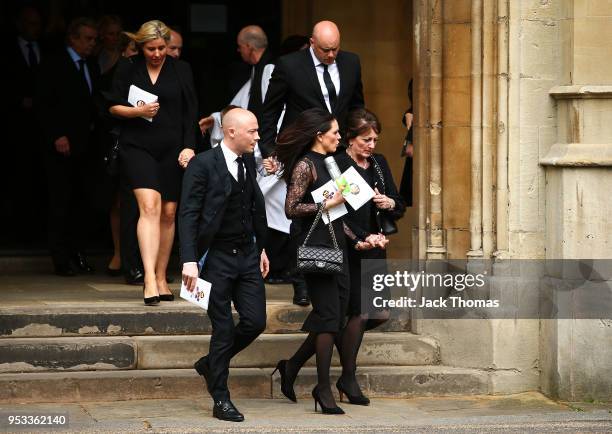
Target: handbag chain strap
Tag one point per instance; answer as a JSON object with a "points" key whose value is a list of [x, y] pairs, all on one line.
{"points": [[380, 174], [329, 225]]}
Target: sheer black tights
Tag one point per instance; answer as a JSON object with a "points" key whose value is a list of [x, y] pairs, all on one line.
{"points": [[348, 344], [321, 344]]}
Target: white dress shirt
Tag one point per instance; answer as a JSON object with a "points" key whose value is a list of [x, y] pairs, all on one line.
{"points": [[23, 46], [333, 72], [230, 161]]}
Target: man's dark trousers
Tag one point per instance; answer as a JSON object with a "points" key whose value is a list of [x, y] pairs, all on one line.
{"points": [[235, 276], [69, 186]]}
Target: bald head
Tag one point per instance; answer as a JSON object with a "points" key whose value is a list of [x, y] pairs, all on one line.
{"points": [[252, 42], [240, 131], [325, 41]]}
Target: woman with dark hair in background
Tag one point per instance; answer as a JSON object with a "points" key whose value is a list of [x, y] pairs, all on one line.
{"points": [[153, 151], [301, 149], [362, 130], [109, 39]]}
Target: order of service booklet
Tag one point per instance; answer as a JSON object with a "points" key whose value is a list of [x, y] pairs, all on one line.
{"points": [[138, 97], [358, 192], [327, 191], [355, 190], [199, 296]]}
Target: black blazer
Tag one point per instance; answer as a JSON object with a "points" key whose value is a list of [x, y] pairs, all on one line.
{"points": [[206, 187], [122, 80], [64, 104], [255, 97], [294, 83]]}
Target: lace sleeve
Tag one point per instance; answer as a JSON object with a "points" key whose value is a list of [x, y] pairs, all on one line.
{"points": [[301, 178], [352, 238]]}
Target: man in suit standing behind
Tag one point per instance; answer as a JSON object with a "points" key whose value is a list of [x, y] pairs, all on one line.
{"points": [[222, 219], [321, 76], [65, 107], [24, 57], [252, 44]]}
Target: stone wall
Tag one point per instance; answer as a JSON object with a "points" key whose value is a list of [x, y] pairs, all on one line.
{"points": [[577, 160], [513, 130]]}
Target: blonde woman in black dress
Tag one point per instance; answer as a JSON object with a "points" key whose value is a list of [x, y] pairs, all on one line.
{"points": [[153, 154]]}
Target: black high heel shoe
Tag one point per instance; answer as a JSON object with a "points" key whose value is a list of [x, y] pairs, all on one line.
{"points": [[166, 297], [286, 387], [150, 301], [324, 409], [360, 399]]}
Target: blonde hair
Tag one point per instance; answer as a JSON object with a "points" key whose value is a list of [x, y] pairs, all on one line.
{"points": [[149, 31]]}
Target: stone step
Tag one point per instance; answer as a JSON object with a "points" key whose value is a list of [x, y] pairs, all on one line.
{"points": [[175, 352], [391, 381], [133, 318]]}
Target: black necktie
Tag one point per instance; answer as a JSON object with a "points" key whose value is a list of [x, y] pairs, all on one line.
{"points": [[240, 172], [331, 90], [82, 69], [32, 59]]}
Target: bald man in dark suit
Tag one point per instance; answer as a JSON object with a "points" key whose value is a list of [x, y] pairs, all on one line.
{"points": [[321, 76]]}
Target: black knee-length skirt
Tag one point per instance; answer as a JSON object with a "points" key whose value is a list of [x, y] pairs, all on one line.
{"points": [[143, 170]]}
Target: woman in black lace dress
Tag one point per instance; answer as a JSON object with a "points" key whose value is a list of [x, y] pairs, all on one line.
{"points": [[301, 149]]}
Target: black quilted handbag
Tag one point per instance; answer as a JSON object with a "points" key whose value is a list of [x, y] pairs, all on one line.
{"points": [[314, 259]]}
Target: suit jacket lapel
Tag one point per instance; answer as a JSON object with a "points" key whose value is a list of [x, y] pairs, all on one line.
{"points": [[249, 163], [341, 70], [222, 170], [311, 71], [23, 63]]}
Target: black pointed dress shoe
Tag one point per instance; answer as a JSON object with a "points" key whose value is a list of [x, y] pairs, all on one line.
{"points": [[82, 265], [286, 382], [166, 297], [225, 410], [358, 399], [201, 367], [134, 277], [150, 301], [324, 409]]}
